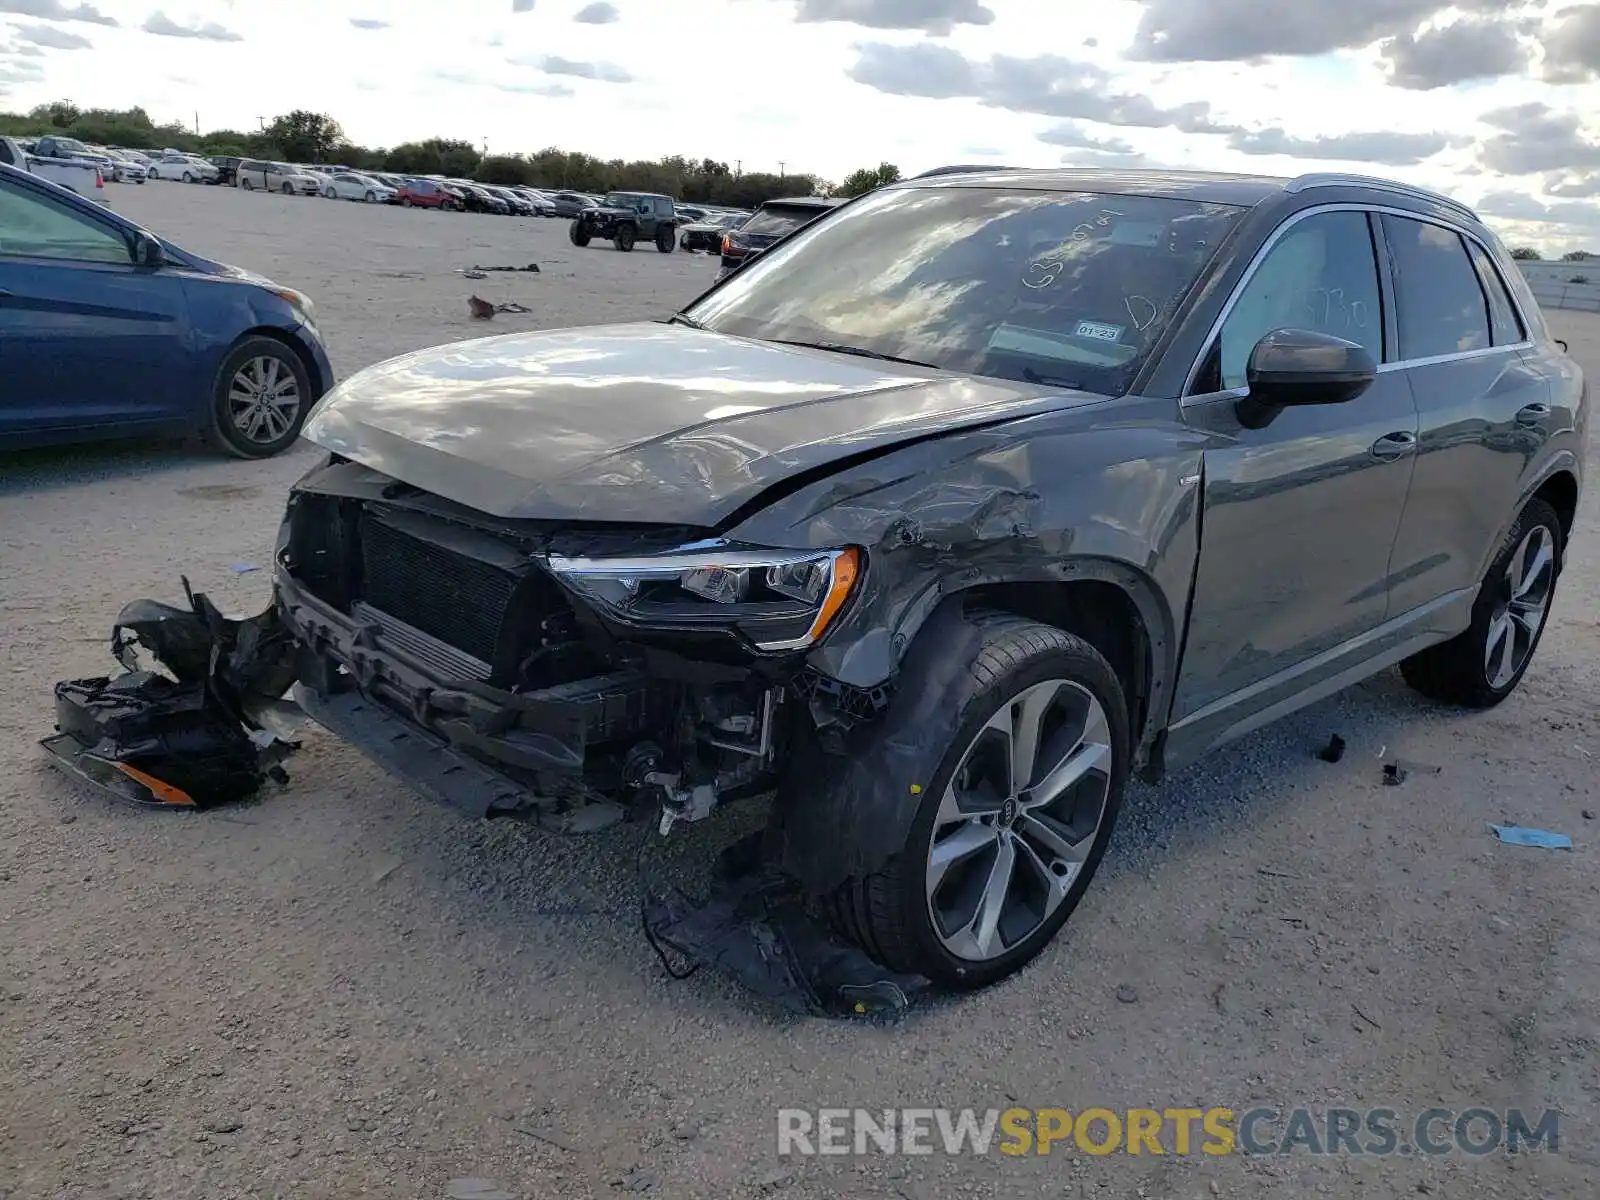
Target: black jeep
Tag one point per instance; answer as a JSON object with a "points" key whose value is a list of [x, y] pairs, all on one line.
{"points": [[625, 217]]}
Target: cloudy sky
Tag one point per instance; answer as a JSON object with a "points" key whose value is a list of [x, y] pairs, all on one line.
{"points": [[1495, 101]]}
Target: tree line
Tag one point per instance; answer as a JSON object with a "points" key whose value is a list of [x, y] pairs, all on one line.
{"points": [[308, 137]]}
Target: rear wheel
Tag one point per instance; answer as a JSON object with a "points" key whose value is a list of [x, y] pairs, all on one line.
{"points": [[1016, 815], [261, 397], [405, 201], [665, 242], [1483, 665], [577, 234], [624, 238]]}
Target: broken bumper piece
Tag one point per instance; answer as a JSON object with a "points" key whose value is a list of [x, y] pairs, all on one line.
{"points": [[190, 739]]}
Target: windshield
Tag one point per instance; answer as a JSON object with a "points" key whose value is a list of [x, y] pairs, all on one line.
{"points": [[779, 220], [1070, 288]]}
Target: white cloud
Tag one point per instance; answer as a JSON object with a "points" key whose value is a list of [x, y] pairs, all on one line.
{"points": [[838, 84]]}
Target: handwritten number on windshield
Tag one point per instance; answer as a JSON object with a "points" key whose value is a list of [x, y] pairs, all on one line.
{"points": [[1044, 270]]}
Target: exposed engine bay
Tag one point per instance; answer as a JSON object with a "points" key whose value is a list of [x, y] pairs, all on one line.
{"points": [[496, 643]]}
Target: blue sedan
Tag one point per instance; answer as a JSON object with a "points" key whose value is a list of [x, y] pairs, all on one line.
{"points": [[106, 331]]}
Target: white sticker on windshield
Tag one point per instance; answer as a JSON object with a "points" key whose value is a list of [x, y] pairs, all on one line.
{"points": [[1099, 331]]}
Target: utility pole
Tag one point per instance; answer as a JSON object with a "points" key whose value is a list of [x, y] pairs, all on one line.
{"points": [[781, 165], [738, 167], [197, 123]]}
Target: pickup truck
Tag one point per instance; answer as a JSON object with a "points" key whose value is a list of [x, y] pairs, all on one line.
{"points": [[77, 175]]}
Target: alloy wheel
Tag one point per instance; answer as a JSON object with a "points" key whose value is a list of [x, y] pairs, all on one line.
{"points": [[1018, 820], [1525, 592], [263, 400]]}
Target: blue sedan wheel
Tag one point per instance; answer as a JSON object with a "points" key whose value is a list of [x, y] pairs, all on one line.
{"points": [[261, 399]]}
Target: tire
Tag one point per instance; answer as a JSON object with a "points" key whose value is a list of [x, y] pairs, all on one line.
{"points": [[330, 194], [152, 173], [624, 238], [188, 178], [1027, 668], [577, 234], [247, 185], [684, 242], [405, 201], [447, 205], [288, 189], [271, 363], [1481, 666], [665, 242], [371, 196]]}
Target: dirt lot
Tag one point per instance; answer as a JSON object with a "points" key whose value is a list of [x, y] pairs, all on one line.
{"points": [[344, 991]]}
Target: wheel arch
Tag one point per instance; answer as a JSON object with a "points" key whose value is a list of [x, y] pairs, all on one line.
{"points": [[1560, 491]]}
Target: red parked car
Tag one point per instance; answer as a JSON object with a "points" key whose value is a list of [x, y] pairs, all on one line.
{"points": [[425, 193]]}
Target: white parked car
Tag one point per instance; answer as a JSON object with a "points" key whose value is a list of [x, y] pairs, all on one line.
{"points": [[125, 168], [350, 185], [184, 167]]}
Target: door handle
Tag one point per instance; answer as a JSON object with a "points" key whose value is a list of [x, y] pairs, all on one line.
{"points": [[1532, 414], [1394, 445]]}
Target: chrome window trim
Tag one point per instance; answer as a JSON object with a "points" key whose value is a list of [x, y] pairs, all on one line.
{"points": [[1277, 234]]}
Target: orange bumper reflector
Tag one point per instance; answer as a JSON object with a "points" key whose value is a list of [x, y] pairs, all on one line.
{"points": [[163, 792]]}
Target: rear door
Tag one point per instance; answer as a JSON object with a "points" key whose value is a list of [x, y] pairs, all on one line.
{"points": [[86, 337], [1483, 403], [1299, 517]]}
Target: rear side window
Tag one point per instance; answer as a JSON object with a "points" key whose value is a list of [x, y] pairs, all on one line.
{"points": [[1503, 322], [1441, 307]]}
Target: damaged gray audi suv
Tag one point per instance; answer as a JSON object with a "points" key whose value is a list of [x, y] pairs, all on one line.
{"points": [[937, 520]]}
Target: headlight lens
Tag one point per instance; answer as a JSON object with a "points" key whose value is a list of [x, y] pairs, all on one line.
{"points": [[300, 301], [778, 599]]}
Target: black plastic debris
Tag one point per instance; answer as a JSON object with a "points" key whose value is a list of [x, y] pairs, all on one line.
{"points": [[1333, 751], [1393, 774], [755, 928], [209, 730]]}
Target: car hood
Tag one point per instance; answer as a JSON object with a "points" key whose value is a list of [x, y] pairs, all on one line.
{"points": [[644, 422]]}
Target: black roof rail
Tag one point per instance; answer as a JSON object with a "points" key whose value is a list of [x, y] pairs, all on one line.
{"points": [[962, 169], [1318, 179]]}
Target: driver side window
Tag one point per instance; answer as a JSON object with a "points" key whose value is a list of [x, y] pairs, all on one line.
{"points": [[35, 226], [1321, 275]]}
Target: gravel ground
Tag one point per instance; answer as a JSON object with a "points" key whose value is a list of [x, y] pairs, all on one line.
{"points": [[343, 991]]}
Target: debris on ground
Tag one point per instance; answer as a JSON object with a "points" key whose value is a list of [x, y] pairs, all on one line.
{"points": [[476, 1189], [1333, 751], [1543, 839], [1127, 993], [482, 310], [1588, 814], [754, 927], [204, 730], [1396, 770], [243, 568]]}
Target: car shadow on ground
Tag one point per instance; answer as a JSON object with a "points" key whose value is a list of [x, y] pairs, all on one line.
{"points": [[55, 467]]}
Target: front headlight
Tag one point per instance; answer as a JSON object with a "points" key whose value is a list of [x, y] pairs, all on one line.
{"points": [[301, 302], [777, 599]]}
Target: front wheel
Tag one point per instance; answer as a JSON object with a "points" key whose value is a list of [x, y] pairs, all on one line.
{"points": [[152, 173], [1483, 665], [247, 185], [1017, 803], [188, 178], [624, 238], [330, 194], [288, 189], [577, 234], [371, 197], [260, 399]]}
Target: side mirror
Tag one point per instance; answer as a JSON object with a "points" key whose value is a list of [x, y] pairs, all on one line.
{"points": [[1293, 367], [147, 252]]}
